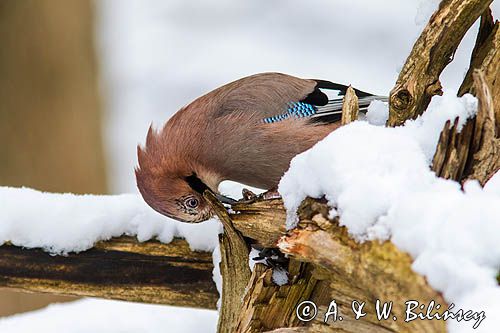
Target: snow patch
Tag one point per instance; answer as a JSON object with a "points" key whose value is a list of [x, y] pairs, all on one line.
{"points": [[100, 316], [378, 113], [254, 253], [280, 276], [64, 223]]}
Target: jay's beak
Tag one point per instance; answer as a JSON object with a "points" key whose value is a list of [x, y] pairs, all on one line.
{"points": [[224, 199], [200, 187], [221, 198]]}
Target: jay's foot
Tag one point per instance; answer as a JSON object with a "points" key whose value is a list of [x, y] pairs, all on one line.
{"points": [[271, 194], [250, 197]]}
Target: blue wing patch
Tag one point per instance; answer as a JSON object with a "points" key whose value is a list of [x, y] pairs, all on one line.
{"points": [[295, 109]]}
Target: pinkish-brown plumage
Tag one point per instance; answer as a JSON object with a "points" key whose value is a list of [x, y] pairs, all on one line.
{"points": [[222, 136]]}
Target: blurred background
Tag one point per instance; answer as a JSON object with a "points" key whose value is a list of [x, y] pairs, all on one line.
{"points": [[81, 80]]}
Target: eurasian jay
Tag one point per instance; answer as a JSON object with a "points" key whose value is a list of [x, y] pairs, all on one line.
{"points": [[246, 131]]}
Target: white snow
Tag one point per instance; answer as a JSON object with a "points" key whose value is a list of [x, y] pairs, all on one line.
{"points": [[493, 184], [379, 181], [216, 274], [233, 189], [377, 113], [280, 276], [62, 223], [103, 316]]}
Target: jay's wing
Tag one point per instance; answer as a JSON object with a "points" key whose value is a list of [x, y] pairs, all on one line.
{"points": [[319, 108], [272, 97]]}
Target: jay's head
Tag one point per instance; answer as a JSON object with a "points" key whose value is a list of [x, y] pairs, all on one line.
{"points": [[169, 185]]}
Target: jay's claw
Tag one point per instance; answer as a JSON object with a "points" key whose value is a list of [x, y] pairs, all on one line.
{"points": [[271, 194], [250, 197]]}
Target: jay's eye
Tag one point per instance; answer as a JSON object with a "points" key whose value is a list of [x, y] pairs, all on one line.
{"points": [[191, 202]]}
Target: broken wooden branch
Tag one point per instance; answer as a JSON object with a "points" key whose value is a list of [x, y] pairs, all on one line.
{"points": [[267, 305], [309, 329], [485, 161], [268, 215], [452, 150], [234, 267], [473, 152], [121, 268], [339, 268], [418, 80], [364, 272], [350, 107]]}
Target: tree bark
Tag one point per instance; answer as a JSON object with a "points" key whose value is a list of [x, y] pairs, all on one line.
{"points": [[350, 107], [474, 152], [418, 81], [485, 161], [121, 268], [482, 49], [343, 270], [233, 266]]}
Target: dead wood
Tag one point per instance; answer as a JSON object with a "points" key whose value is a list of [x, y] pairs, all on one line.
{"points": [[474, 151], [233, 266], [350, 107], [418, 80], [121, 268]]}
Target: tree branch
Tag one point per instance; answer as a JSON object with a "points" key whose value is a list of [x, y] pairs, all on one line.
{"points": [[474, 152], [418, 81], [486, 141], [121, 268], [340, 269]]}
